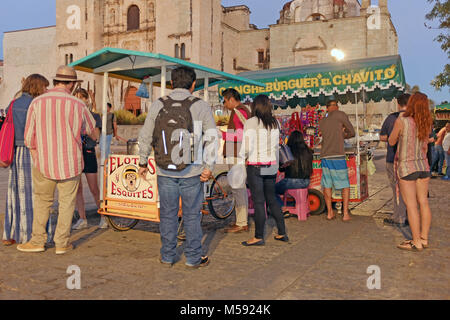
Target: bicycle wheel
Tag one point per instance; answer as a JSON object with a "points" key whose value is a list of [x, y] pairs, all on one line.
{"points": [[221, 201], [120, 223]]}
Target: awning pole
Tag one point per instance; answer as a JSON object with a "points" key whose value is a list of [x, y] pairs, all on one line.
{"points": [[103, 135], [357, 132], [163, 80], [206, 89], [150, 91]]}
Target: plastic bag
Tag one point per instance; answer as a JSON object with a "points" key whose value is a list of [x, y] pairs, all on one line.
{"points": [[237, 176], [371, 169], [143, 91]]}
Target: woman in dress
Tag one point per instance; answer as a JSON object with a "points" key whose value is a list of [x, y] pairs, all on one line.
{"points": [[19, 202], [411, 131], [260, 149], [90, 165]]}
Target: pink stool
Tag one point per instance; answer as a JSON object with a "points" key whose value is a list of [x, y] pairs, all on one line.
{"points": [[301, 208]]}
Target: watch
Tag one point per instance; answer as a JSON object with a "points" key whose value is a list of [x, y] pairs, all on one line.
{"points": [[143, 165]]}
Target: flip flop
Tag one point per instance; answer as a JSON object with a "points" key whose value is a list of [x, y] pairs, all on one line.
{"points": [[409, 246], [332, 218]]}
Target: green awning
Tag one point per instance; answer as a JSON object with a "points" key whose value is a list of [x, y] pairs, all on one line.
{"points": [[442, 107], [139, 66], [371, 79]]}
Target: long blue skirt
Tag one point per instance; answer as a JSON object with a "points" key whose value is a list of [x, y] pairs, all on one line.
{"points": [[19, 200]]}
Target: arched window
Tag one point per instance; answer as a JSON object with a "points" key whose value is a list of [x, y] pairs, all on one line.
{"points": [[133, 19], [183, 51], [177, 51], [112, 17]]}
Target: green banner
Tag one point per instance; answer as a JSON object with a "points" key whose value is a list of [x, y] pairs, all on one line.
{"points": [[380, 81]]}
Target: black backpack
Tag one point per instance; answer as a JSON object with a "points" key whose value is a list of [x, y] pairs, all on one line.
{"points": [[173, 134]]}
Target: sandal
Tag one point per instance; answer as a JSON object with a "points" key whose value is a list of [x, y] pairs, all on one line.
{"points": [[409, 246], [282, 238], [425, 246], [9, 242], [332, 218]]}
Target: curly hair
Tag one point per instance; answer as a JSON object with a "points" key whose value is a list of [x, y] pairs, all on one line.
{"points": [[419, 109], [35, 85]]}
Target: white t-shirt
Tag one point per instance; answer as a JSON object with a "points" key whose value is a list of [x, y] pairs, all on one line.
{"points": [[259, 145], [446, 142]]}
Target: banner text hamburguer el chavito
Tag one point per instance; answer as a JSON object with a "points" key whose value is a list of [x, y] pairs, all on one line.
{"points": [[327, 83]]}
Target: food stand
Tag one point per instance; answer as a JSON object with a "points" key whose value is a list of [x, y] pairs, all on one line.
{"points": [[122, 191], [304, 91]]}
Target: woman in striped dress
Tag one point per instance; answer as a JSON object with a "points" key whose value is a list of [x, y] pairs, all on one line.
{"points": [[19, 202], [411, 130]]}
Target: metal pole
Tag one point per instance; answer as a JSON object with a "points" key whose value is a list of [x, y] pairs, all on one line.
{"points": [[357, 132], [150, 92], [103, 136], [206, 89], [163, 80]]}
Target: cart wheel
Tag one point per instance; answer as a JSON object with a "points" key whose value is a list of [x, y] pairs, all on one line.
{"points": [[316, 202], [121, 224], [221, 201]]}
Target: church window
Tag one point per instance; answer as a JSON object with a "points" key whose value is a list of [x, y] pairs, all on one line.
{"points": [[260, 56], [133, 18], [183, 51], [112, 17], [177, 51]]}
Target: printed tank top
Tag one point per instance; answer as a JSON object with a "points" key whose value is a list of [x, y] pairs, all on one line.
{"points": [[412, 153]]}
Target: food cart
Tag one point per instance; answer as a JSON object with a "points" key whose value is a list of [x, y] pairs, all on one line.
{"points": [[304, 90], [123, 193]]}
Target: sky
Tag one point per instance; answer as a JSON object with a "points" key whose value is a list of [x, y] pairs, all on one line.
{"points": [[422, 57]]}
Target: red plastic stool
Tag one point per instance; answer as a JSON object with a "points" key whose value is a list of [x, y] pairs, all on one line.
{"points": [[301, 208]]}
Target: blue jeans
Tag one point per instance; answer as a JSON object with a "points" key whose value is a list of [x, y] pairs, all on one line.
{"points": [[191, 192], [439, 156], [287, 183]]}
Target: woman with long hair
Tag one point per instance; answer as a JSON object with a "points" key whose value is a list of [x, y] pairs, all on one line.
{"points": [[298, 173], [90, 164], [260, 149], [412, 130], [19, 202]]}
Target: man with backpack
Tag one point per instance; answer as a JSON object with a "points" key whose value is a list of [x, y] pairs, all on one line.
{"points": [[399, 215], [178, 127]]}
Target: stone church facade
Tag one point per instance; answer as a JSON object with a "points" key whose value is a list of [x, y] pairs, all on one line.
{"points": [[200, 31]]}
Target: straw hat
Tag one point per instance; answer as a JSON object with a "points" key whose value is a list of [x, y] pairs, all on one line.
{"points": [[66, 73]]}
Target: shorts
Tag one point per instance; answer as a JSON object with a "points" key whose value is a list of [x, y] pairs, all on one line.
{"points": [[417, 175], [90, 161], [335, 174]]}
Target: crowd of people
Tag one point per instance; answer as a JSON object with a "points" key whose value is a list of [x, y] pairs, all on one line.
{"points": [[57, 131]]}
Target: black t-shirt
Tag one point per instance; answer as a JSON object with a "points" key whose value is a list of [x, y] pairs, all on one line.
{"points": [[88, 143], [2, 119], [386, 130]]}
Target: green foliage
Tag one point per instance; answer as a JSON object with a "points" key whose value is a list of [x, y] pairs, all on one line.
{"points": [[441, 12], [125, 117]]}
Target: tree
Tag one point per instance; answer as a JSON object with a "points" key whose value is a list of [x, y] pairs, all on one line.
{"points": [[441, 12]]}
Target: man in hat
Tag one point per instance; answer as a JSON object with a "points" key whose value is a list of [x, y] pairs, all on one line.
{"points": [[55, 122]]}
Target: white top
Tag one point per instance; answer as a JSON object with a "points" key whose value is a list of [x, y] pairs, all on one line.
{"points": [[259, 145], [446, 142]]}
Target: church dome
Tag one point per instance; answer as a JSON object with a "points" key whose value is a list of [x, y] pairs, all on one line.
{"points": [[287, 5]]}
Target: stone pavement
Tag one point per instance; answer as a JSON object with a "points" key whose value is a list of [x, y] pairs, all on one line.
{"points": [[324, 260]]}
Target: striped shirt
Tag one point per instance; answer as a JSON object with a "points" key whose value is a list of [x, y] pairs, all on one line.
{"points": [[55, 122]]}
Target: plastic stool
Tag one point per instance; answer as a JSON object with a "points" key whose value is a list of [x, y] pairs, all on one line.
{"points": [[301, 208]]}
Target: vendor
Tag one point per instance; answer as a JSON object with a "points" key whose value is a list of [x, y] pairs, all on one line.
{"points": [[335, 127]]}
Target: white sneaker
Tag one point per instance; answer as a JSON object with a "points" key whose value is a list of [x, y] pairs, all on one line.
{"points": [[80, 224], [103, 223]]}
